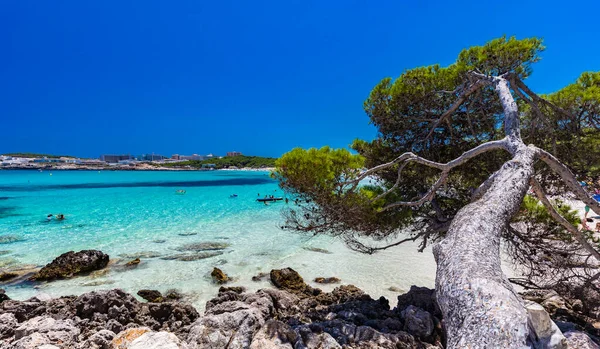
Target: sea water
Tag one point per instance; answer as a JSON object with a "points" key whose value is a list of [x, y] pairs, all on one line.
{"points": [[139, 213]]}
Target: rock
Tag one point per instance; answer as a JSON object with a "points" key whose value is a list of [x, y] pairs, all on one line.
{"points": [[236, 289], [417, 321], [287, 279], [259, 276], [125, 338], [308, 339], [274, 335], [4, 276], [159, 241], [173, 295], [101, 339], [72, 263], [151, 295], [3, 296], [8, 324], [421, 297], [219, 276], [142, 254], [395, 289], [40, 297], [187, 257], [7, 239], [580, 340], [187, 234], [316, 249], [133, 262], [157, 340], [330, 280], [46, 330], [549, 336], [203, 246]]}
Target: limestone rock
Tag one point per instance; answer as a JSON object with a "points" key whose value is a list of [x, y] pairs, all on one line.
{"points": [[548, 334], [72, 263], [45, 330], [133, 262], [157, 340], [219, 276], [274, 335], [125, 338], [580, 340], [8, 324]]}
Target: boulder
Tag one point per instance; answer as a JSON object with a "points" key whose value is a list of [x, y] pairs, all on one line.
{"points": [[417, 322], [580, 340], [548, 334], [259, 276], [151, 295], [274, 335], [421, 297], [72, 263], [5, 276], [125, 338], [133, 262], [3, 296], [45, 330], [8, 324], [287, 279], [219, 276]]}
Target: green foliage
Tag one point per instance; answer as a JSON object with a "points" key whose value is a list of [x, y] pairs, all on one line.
{"points": [[239, 161]]}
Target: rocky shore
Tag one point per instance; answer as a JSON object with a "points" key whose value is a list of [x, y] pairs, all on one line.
{"points": [[291, 315]]}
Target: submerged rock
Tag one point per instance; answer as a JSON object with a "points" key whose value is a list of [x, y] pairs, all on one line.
{"points": [[72, 263], [159, 241], [7, 239], [4, 276], [316, 249], [203, 246], [219, 276], [259, 276], [141, 254], [151, 295], [187, 234], [188, 257], [330, 280], [133, 262]]}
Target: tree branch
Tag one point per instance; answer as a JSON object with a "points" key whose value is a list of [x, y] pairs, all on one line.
{"points": [[520, 84], [539, 192], [569, 179]]}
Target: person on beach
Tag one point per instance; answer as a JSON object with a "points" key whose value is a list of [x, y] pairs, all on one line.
{"points": [[587, 210]]}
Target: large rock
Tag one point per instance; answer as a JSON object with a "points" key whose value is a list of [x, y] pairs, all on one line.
{"points": [[580, 340], [151, 295], [287, 279], [72, 263], [219, 276], [45, 330], [417, 322], [274, 335], [549, 336], [157, 340]]}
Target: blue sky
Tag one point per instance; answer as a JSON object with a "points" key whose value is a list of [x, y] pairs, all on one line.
{"points": [[261, 77]]}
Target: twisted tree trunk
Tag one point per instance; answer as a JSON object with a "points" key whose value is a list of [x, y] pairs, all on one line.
{"points": [[480, 307]]}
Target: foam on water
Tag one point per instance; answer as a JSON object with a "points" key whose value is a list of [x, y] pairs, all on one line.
{"points": [[124, 213]]}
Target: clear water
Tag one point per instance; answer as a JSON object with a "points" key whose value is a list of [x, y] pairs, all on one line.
{"points": [[127, 212]]}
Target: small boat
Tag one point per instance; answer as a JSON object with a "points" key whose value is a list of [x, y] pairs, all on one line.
{"points": [[269, 199]]}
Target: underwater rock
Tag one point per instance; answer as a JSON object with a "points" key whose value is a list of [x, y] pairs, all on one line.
{"points": [[219, 276], [395, 289], [142, 254], [330, 280], [7, 239], [187, 234], [4, 276], [72, 263], [151, 295], [98, 283], [159, 241], [133, 262], [7, 262], [203, 246], [316, 249], [173, 295], [3, 252], [259, 276], [187, 257]]}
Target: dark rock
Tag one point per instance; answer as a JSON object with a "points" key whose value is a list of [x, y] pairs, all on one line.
{"points": [[235, 289], [287, 279], [316, 249], [204, 246], [185, 257], [142, 254], [7, 276], [421, 297], [72, 263], [187, 234], [173, 295], [330, 280], [151, 295], [259, 276], [133, 262], [3, 296], [417, 322], [219, 276]]}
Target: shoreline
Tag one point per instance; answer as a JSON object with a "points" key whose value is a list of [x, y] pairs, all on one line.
{"points": [[127, 168]]}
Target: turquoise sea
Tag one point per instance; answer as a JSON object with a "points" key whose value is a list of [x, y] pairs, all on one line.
{"points": [[138, 213]]}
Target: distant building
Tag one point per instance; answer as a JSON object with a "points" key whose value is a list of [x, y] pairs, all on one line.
{"points": [[45, 160], [192, 157], [233, 153], [175, 157], [209, 165], [113, 159], [151, 157]]}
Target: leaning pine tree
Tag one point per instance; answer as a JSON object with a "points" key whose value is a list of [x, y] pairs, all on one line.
{"points": [[450, 166]]}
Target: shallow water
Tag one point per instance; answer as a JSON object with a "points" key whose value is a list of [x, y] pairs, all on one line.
{"points": [[135, 213]]}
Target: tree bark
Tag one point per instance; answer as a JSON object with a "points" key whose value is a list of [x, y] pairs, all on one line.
{"points": [[479, 305]]}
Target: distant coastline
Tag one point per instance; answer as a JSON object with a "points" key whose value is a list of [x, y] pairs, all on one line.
{"points": [[144, 167]]}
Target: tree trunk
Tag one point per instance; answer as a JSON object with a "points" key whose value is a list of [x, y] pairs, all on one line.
{"points": [[480, 307]]}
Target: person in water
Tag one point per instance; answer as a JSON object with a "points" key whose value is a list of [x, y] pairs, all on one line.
{"points": [[49, 217], [60, 216]]}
